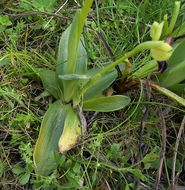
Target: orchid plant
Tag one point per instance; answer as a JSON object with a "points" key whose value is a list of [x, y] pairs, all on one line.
{"points": [[78, 88]]}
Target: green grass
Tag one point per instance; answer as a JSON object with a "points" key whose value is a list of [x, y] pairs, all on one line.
{"points": [[113, 155]]}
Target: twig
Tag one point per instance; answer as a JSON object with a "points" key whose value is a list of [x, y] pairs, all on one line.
{"points": [[142, 126], [175, 151], [82, 120], [163, 150], [91, 119], [145, 115], [61, 7]]}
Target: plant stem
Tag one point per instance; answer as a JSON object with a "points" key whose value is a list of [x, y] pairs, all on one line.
{"points": [[137, 49], [176, 151]]}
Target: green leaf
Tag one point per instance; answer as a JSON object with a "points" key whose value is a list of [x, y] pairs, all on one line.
{"points": [[147, 68], [18, 170], [175, 71], [44, 5], [178, 55], [63, 50], [72, 55], [23, 180], [69, 88], [50, 83], [49, 135], [106, 104], [101, 84], [179, 31], [71, 131], [62, 59], [4, 20], [74, 36]]}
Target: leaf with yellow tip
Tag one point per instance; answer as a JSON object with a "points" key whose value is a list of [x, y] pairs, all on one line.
{"points": [[71, 132], [49, 135]]}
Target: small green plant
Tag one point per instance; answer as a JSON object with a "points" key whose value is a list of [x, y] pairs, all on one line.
{"points": [[40, 5], [75, 88], [4, 22], [78, 88]]}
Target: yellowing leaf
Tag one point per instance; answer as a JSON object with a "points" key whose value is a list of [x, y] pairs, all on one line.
{"points": [[49, 135], [71, 132]]}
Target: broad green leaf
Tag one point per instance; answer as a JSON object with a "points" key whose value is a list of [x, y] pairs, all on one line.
{"points": [[50, 83], [69, 87], [106, 104], [73, 44], [173, 75], [63, 50], [175, 71], [178, 54], [71, 49], [49, 135], [74, 36], [62, 59], [72, 53], [81, 62], [102, 84], [71, 132]]}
